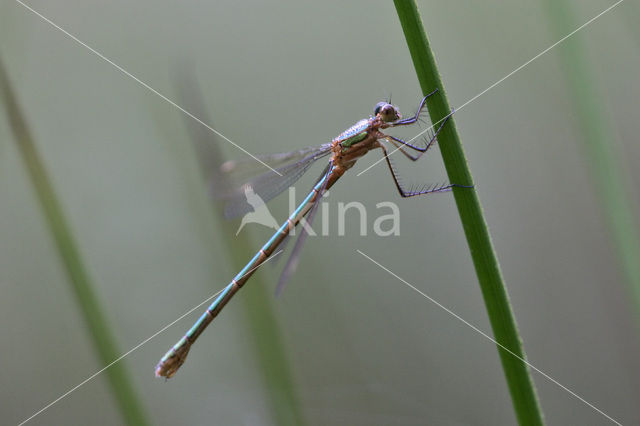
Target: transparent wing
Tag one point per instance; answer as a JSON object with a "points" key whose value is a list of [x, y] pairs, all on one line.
{"points": [[237, 176]]}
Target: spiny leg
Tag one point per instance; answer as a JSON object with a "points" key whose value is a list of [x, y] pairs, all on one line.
{"points": [[415, 118], [411, 193], [401, 149], [398, 143]]}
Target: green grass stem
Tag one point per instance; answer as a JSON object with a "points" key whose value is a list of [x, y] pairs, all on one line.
{"points": [[503, 323], [101, 336]]}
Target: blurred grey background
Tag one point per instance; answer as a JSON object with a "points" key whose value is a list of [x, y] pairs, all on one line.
{"points": [[363, 348]]}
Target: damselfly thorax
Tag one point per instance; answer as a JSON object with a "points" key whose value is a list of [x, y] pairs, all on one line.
{"points": [[362, 137]]}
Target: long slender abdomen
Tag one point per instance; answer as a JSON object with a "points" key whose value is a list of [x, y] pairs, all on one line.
{"points": [[175, 357]]}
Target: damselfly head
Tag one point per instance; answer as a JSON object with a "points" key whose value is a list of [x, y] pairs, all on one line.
{"points": [[387, 112]]}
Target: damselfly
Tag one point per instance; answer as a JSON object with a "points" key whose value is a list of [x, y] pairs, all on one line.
{"points": [[287, 168]]}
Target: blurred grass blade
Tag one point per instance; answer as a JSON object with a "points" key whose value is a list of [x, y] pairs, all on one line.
{"points": [[502, 320], [599, 142], [95, 320], [263, 325]]}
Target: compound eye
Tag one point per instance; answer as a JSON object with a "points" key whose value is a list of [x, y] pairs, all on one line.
{"points": [[379, 107]]}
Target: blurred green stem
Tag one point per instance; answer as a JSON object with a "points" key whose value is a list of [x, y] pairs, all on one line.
{"points": [[95, 320], [502, 320], [267, 340], [599, 143]]}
